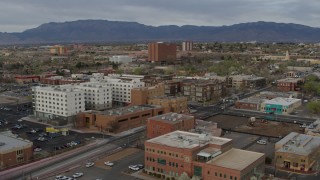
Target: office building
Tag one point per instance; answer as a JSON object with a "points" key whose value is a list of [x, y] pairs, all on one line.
{"points": [[166, 123], [119, 119], [203, 156], [298, 153], [162, 52]]}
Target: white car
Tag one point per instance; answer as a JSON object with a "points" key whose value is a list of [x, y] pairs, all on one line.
{"points": [[262, 142], [134, 167], [89, 164], [78, 174], [61, 177], [109, 163], [37, 150]]}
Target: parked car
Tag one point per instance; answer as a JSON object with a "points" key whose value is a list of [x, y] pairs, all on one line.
{"points": [[109, 163], [134, 167], [89, 164], [37, 150], [262, 142], [78, 174]]}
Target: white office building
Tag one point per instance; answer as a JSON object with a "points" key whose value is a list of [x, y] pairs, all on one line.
{"points": [[57, 102], [121, 59], [97, 96]]}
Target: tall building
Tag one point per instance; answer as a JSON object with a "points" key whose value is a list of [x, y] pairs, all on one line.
{"points": [[298, 153], [162, 52], [58, 50], [203, 156], [97, 96], [187, 46], [57, 102]]}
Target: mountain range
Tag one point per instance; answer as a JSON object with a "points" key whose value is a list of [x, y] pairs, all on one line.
{"points": [[101, 31]]}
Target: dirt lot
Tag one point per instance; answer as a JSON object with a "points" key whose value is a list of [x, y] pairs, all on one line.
{"points": [[13, 100], [115, 157], [270, 128]]}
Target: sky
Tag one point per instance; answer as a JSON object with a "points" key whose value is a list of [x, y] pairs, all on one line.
{"points": [[19, 15]]}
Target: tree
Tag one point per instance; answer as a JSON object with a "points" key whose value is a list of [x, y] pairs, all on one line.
{"points": [[314, 107], [138, 71]]}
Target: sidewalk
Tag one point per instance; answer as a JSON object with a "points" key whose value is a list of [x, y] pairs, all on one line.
{"points": [[142, 175]]}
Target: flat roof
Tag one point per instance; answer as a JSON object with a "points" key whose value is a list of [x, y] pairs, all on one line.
{"points": [[294, 80], [10, 142], [252, 100], [171, 117], [282, 101], [127, 110], [300, 144], [236, 159], [187, 140]]}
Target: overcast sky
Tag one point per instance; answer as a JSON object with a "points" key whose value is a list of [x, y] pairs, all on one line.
{"points": [[18, 15]]}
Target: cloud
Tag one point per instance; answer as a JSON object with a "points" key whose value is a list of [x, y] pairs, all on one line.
{"points": [[18, 15]]}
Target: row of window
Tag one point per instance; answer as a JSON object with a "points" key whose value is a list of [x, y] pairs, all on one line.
{"points": [[225, 176], [163, 171], [163, 152]]}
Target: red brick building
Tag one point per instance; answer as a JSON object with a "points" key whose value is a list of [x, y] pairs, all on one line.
{"points": [[203, 156], [252, 103], [162, 52], [118, 120], [166, 123], [59, 80], [22, 79], [290, 84], [14, 151]]}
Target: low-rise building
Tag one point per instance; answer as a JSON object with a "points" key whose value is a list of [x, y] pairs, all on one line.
{"points": [[246, 81], [14, 151], [313, 128], [280, 105], [298, 153], [251, 103], [170, 103], [120, 59], [202, 90], [118, 120], [290, 84], [166, 123], [141, 95], [271, 94], [23, 79], [59, 80], [203, 156], [207, 127]]}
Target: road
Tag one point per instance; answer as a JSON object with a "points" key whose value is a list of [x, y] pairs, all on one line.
{"points": [[71, 158], [280, 118]]}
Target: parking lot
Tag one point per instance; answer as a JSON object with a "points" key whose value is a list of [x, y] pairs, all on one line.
{"points": [[119, 171], [10, 120]]}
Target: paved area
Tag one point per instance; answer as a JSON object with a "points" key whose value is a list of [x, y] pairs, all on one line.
{"points": [[120, 171]]}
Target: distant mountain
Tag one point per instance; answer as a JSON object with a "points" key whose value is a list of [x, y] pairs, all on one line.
{"points": [[116, 31]]}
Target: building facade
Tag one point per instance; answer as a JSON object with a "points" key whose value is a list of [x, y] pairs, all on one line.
{"points": [[290, 84], [141, 95], [14, 151], [97, 96], [252, 103], [23, 79], [280, 105], [298, 153], [57, 102], [203, 156], [121, 59], [187, 46], [118, 120], [246, 81], [162, 52], [170, 103], [166, 123]]}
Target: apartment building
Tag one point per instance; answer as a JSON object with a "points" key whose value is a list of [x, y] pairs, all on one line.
{"points": [[173, 87], [119, 119], [290, 84], [203, 156], [246, 81], [162, 52], [202, 90], [280, 105], [298, 153], [97, 96], [170, 103], [141, 95], [13, 150], [57, 102], [169, 122]]}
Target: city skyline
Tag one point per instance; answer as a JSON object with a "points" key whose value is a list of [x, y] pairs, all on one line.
{"points": [[17, 16]]}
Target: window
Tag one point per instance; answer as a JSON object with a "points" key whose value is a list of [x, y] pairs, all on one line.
{"points": [[231, 177]]}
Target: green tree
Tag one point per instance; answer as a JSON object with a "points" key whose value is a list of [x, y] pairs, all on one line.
{"points": [[138, 71], [314, 107]]}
